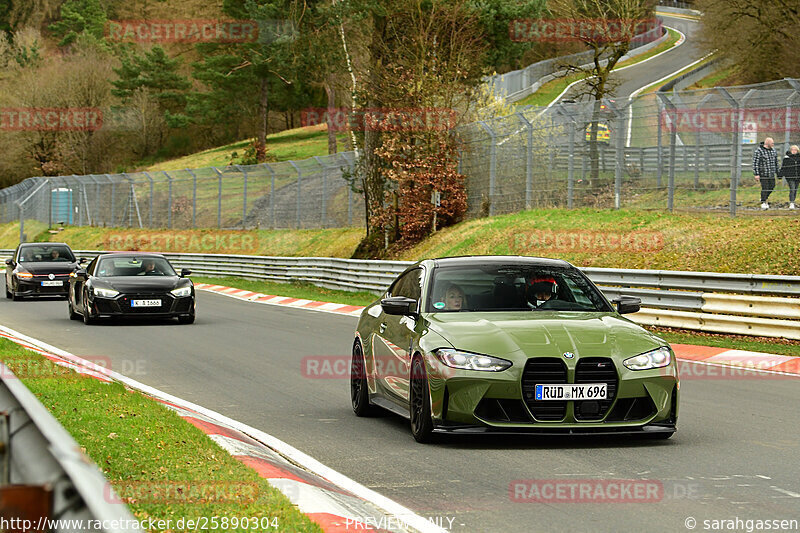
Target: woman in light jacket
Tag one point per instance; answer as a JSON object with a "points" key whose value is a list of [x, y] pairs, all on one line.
{"points": [[790, 169]]}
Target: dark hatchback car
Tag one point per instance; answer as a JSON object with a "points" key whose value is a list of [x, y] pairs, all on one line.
{"points": [[39, 269], [131, 284]]}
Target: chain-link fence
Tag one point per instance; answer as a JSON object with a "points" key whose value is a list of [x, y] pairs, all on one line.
{"points": [[688, 149], [313, 193], [685, 149]]}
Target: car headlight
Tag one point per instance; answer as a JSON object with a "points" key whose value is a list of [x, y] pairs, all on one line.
{"points": [[105, 293], [180, 292], [471, 361], [24, 275], [660, 357]]}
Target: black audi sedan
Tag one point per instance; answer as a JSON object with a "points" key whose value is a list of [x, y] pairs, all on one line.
{"points": [[131, 284], [39, 269]]}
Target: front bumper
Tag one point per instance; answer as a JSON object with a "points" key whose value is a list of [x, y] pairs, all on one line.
{"points": [[120, 306], [33, 287], [477, 402]]}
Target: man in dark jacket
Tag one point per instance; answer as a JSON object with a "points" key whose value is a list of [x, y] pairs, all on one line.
{"points": [[765, 168], [790, 169]]}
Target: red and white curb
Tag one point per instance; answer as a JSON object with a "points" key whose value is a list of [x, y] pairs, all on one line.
{"points": [[332, 500], [756, 361], [271, 299], [744, 359]]}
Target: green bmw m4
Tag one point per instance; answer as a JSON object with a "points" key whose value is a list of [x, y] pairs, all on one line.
{"points": [[510, 344]]}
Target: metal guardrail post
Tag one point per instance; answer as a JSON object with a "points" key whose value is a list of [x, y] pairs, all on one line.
{"points": [[299, 177], [492, 164], [528, 160], [219, 197]]}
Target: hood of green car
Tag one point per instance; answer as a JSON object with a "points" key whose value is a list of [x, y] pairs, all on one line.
{"points": [[543, 333]]}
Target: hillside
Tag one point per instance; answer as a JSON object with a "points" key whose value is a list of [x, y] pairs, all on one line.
{"points": [[585, 237]]}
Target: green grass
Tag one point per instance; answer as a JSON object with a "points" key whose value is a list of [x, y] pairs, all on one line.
{"points": [[686, 241], [718, 78], [143, 447], [305, 291], [550, 90], [733, 342], [295, 144]]}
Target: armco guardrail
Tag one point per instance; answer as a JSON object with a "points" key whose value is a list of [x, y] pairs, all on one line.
{"points": [[753, 304], [44, 477]]}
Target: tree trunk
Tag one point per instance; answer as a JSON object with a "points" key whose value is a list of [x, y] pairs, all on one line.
{"points": [[373, 179], [331, 111], [263, 113]]}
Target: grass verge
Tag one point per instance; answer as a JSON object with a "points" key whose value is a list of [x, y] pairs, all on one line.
{"points": [[161, 465]]}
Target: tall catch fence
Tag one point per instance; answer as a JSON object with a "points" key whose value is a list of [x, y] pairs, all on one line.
{"points": [[689, 149]]}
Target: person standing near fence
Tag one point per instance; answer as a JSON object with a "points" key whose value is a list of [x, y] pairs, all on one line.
{"points": [[790, 169], [765, 168]]}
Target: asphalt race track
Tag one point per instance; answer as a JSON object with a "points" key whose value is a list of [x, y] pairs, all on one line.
{"points": [[736, 453], [641, 75]]}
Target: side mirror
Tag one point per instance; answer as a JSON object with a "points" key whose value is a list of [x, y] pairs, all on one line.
{"points": [[627, 304], [185, 272], [82, 260], [10, 262], [399, 305], [80, 273]]}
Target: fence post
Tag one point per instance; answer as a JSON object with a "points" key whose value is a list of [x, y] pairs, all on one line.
{"points": [[659, 151], [737, 144], [271, 193], [528, 161], [324, 189], [244, 194], [619, 126], [219, 197], [787, 142], [570, 155], [169, 201], [673, 140], [492, 164], [698, 136], [113, 199], [194, 197], [299, 175]]}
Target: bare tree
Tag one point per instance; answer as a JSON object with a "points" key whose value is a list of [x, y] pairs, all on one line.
{"points": [[613, 25]]}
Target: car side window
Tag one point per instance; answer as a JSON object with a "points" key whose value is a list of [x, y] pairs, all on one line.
{"points": [[90, 268], [408, 285]]}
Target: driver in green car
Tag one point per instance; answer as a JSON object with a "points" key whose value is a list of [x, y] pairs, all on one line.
{"points": [[541, 290]]}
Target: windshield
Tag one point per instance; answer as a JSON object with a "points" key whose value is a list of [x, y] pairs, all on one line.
{"points": [[510, 287], [133, 266], [58, 253]]}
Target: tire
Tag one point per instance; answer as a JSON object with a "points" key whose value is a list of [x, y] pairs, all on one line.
{"points": [[420, 403], [87, 319], [72, 314], [359, 393], [186, 319], [8, 293], [16, 297]]}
